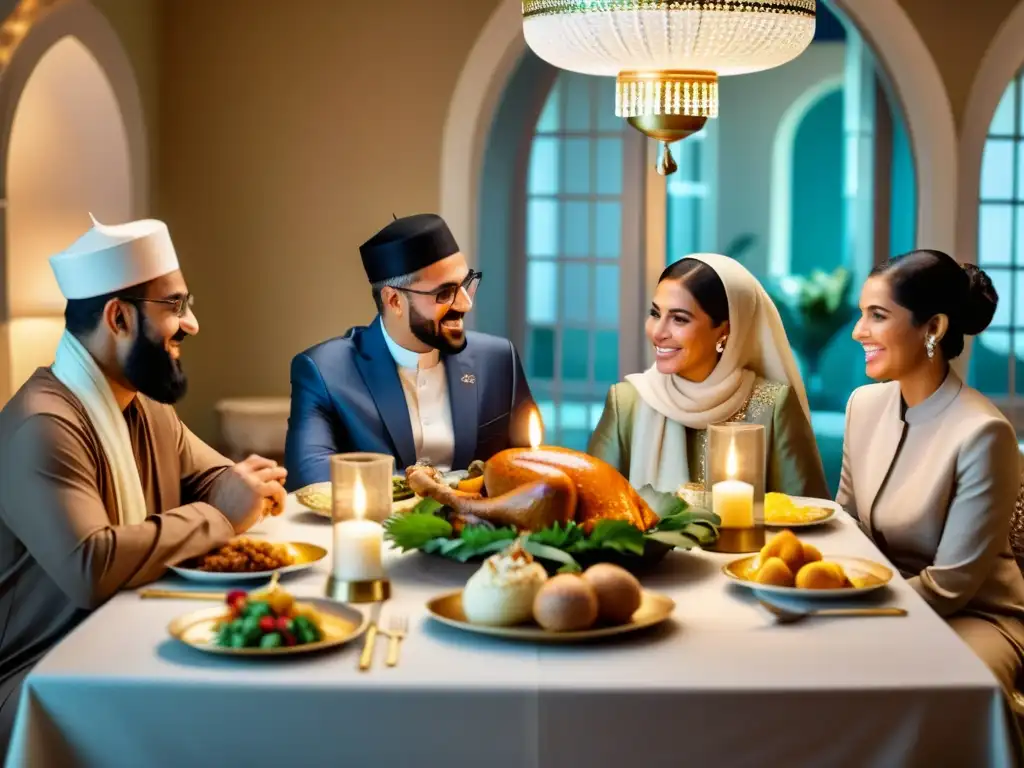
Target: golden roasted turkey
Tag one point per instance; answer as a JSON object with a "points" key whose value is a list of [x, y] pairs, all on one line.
{"points": [[533, 488]]}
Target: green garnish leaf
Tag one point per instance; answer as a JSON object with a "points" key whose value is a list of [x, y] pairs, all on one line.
{"points": [[562, 537], [426, 506], [661, 503], [476, 537], [681, 520], [618, 535], [569, 564], [415, 529], [465, 553]]}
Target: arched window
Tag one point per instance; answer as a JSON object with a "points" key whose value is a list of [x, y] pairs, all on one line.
{"points": [[996, 360], [580, 236]]}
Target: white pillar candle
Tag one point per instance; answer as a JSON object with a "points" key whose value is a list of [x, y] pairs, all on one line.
{"points": [[733, 502], [357, 550]]}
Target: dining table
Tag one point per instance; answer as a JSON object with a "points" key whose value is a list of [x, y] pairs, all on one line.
{"points": [[721, 683]]}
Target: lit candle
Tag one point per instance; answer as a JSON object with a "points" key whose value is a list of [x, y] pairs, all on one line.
{"points": [[536, 430], [358, 543], [733, 500]]}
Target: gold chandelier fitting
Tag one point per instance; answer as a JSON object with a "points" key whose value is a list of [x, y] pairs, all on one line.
{"points": [[667, 106]]}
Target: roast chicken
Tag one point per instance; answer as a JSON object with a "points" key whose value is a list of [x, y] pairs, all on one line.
{"points": [[533, 488]]}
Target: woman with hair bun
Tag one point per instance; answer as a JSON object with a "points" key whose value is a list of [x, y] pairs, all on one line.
{"points": [[931, 468]]}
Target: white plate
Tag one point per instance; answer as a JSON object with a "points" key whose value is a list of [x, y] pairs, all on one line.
{"points": [[305, 555], [807, 501], [871, 575], [322, 506]]}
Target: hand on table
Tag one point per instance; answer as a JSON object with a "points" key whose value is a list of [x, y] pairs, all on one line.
{"points": [[249, 490]]}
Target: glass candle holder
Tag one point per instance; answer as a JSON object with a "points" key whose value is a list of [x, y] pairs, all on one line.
{"points": [[734, 482], [360, 502]]}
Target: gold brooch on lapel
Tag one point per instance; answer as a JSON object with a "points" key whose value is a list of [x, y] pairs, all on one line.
{"points": [[468, 378]]}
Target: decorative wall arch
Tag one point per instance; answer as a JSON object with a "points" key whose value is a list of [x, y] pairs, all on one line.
{"points": [[882, 22], [1002, 61], [62, 70], [782, 172]]}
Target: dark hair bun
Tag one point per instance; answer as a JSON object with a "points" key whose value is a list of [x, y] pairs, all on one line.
{"points": [[982, 300]]}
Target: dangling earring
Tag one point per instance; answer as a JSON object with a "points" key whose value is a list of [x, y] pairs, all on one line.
{"points": [[929, 347], [720, 346]]}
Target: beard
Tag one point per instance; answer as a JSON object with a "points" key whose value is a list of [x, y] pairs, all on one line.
{"points": [[151, 370], [433, 333]]}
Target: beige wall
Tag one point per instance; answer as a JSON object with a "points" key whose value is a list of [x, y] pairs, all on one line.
{"points": [[288, 132]]}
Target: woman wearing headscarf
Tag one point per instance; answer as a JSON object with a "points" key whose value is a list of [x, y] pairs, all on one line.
{"points": [[721, 355]]}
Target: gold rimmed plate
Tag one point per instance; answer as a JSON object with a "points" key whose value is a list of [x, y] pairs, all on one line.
{"points": [[809, 512], [864, 575], [654, 609], [339, 624], [317, 496], [304, 556]]}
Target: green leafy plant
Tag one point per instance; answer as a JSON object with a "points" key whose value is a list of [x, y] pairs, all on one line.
{"points": [[426, 528]]}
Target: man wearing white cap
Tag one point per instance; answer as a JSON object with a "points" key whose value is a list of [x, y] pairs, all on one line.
{"points": [[101, 485]]}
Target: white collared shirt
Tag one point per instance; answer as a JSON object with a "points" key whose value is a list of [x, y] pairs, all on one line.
{"points": [[426, 393]]}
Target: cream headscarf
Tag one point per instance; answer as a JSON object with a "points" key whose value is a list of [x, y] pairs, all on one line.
{"points": [[757, 346]]}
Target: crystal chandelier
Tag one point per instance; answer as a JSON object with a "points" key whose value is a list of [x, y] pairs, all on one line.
{"points": [[667, 55]]}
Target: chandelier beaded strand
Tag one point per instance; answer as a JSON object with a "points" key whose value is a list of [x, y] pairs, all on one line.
{"points": [[667, 55]]}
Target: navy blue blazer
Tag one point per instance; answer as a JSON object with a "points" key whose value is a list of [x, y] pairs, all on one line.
{"points": [[346, 396]]}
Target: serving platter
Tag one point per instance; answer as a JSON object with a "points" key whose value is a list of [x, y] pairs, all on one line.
{"points": [[339, 624], [317, 496], [303, 554], [654, 609], [865, 575]]}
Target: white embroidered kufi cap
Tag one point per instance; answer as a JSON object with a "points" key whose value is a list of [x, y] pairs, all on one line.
{"points": [[109, 258]]}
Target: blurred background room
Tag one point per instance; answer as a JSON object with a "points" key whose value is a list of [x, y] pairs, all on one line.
{"points": [[274, 137]]}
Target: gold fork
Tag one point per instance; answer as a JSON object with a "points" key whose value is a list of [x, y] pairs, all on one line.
{"points": [[397, 628]]}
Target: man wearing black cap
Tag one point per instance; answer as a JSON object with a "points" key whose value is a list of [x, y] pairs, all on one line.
{"points": [[414, 383]]}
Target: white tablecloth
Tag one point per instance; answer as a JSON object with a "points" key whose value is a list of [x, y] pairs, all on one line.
{"points": [[721, 686]]}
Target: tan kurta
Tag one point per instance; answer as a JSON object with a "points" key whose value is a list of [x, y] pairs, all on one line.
{"points": [[61, 553], [934, 486], [794, 463]]}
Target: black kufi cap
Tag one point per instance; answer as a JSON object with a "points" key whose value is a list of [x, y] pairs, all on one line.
{"points": [[407, 245]]}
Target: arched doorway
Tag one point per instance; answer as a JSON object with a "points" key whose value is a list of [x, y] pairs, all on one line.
{"points": [[72, 143]]}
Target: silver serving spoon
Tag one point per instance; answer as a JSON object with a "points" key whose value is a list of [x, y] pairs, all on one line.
{"points": [[788, 616]]}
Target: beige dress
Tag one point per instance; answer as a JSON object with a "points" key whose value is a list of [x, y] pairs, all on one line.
{"points": [[61, 555], [934, 487], [794, 463]]}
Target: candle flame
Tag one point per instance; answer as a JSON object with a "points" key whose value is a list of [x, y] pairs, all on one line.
{"points": [[731, 462], [359, 499], [536, 430]]}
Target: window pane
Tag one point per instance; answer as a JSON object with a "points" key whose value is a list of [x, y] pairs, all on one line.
{"points": [[576, 177], [574, 416], [577, 106], [1020, 169], [1018, 256], [542, 228], [548, 415], [609, 166], [688, 154], [683, 227], [574, 439], [548, 121], [576, 229], [541, 292], [606, 119], [1002, 123], [989, 363], [1020, 102], [997, 170], [1017, 313], [606, 304], [606, 357], [576, 293], [1001, 281], [542, 353], [608, 243], [575, 354], [994, 234], [543, 166], [596, 409]]}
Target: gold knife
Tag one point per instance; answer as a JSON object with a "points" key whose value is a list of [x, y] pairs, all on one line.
{"points": [[366, 658]]}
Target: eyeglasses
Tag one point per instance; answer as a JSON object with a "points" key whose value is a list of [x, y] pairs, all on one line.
{"points": [[179, 305], [446, 294]]}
